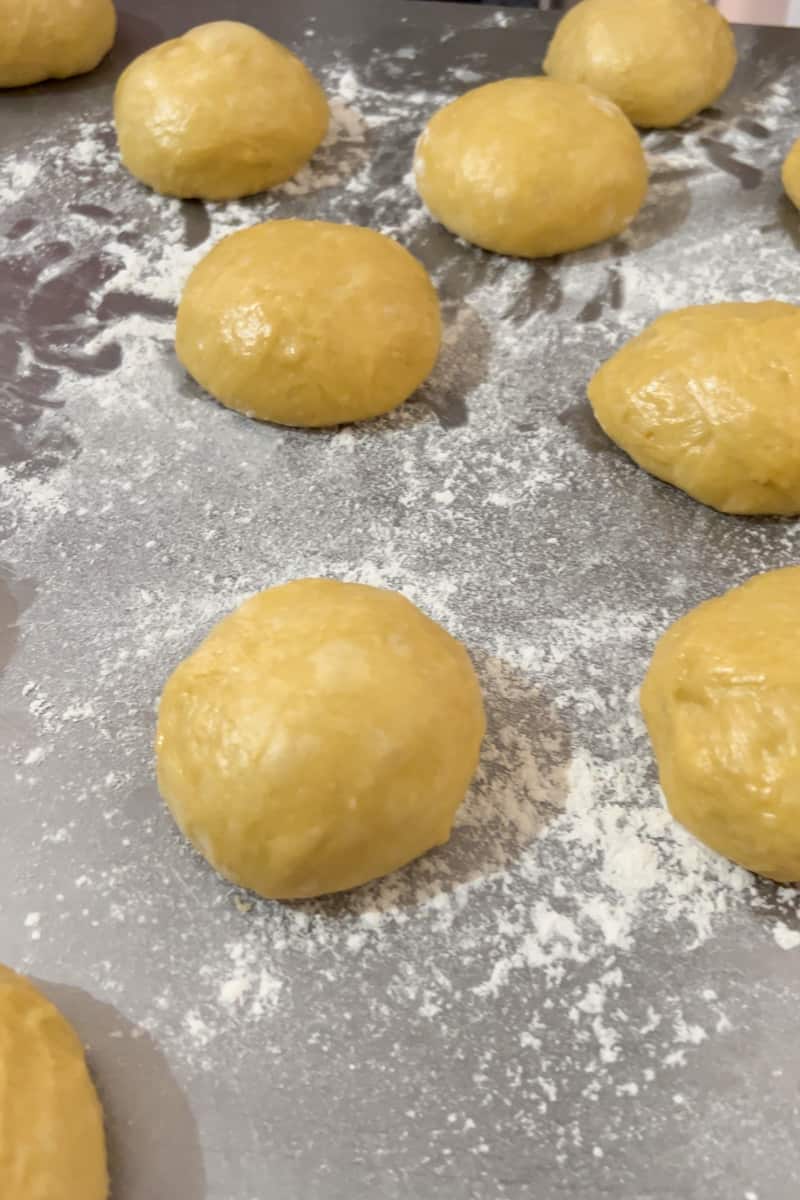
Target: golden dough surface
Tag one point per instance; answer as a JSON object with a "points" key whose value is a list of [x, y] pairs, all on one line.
{"points": [[791, 174], [531, 167], [309, 323], [661, 61], [221, 112], [53, 39], [721, 700], [321, 736], [708, 399], [52, 1145]]}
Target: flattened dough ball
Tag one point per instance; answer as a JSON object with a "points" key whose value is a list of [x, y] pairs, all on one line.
{"points": [[309, 323], [708, 399], [791, 174], [52, 1145], [722, 704], [531, 167], [222, 111], [53, 39], [661, 61], [322, 735]]}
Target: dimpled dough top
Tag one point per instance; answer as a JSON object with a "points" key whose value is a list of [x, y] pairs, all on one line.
{"points": [[708, 398], [322, 735], [52, 1145], [309, 323], [531, 167], [53, 39], [722, 704], [661, 61], [791, 174], [222, 111]]}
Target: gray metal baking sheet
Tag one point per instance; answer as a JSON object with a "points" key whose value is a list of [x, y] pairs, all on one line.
{"points": [[572, 999]]}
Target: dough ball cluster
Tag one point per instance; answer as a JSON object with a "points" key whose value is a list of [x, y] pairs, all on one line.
{"points": [[531, 167], [322, 735], [661, 61], [53, 39], [221, 112]]}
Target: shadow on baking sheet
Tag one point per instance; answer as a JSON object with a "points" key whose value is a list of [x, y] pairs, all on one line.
{"points": [[153, 1148]]}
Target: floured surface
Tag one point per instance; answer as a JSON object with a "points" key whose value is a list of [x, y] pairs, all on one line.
{"points": [[572, 993]]}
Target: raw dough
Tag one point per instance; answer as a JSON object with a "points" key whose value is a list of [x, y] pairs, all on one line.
{"points": [[322, 735], [661, 61], [791, 174], [722, 704], [52, 1145], [309, 323], [222, 111], [531, 167], [708, 398], [52, 39]]}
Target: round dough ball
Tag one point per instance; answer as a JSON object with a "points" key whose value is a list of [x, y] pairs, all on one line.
{"points": [[722, 704], [52, 1145], [707, 399], [53, 39], [791, 174], [309, 323], [661, 61], [322, 735], [531, 167], [222, 111]]}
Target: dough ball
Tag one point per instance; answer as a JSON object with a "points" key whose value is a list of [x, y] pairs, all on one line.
{"points": [[531, 167], [52, 39], [322, 735], [708, 398], [791, 174], [222, 111], [52, 1145], [309, 323], [661, 61], [722, 704]]}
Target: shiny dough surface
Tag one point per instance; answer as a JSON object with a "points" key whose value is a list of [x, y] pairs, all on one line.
{"points": [[531, 167], [222, 111], [791, 174], [708, 399], [321, 736], [52, 1145], [309, 323], [722, 704], [661, 61], [53, 39]]}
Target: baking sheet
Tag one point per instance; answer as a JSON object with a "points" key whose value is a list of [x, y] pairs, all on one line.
{"points": [[571, 999]]}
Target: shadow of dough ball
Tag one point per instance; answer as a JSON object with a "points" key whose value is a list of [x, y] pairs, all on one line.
{"points": [[531, 167], [321, 736], [661, 61], [53, 39], [721, 700], [221, 112]]}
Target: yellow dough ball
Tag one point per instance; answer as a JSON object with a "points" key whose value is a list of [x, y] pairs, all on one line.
{"points": [[309, 323], [722, 704], [708, 399], [53, 39], [661, 61], [52, 1145], [531, 167], [791, 174], [222, 111], [322, 735]]}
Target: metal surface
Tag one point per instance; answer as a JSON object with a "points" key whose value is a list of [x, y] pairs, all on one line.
{"points": [[473, 1027]]}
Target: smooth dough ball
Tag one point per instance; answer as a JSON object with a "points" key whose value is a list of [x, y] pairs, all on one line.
{"points": [[791, 174], [531, 167], [708, 399], [222, 111], [722, 704], [661, 61], [309, 323], [52, 1145], [53, 39], [322, 735]]}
